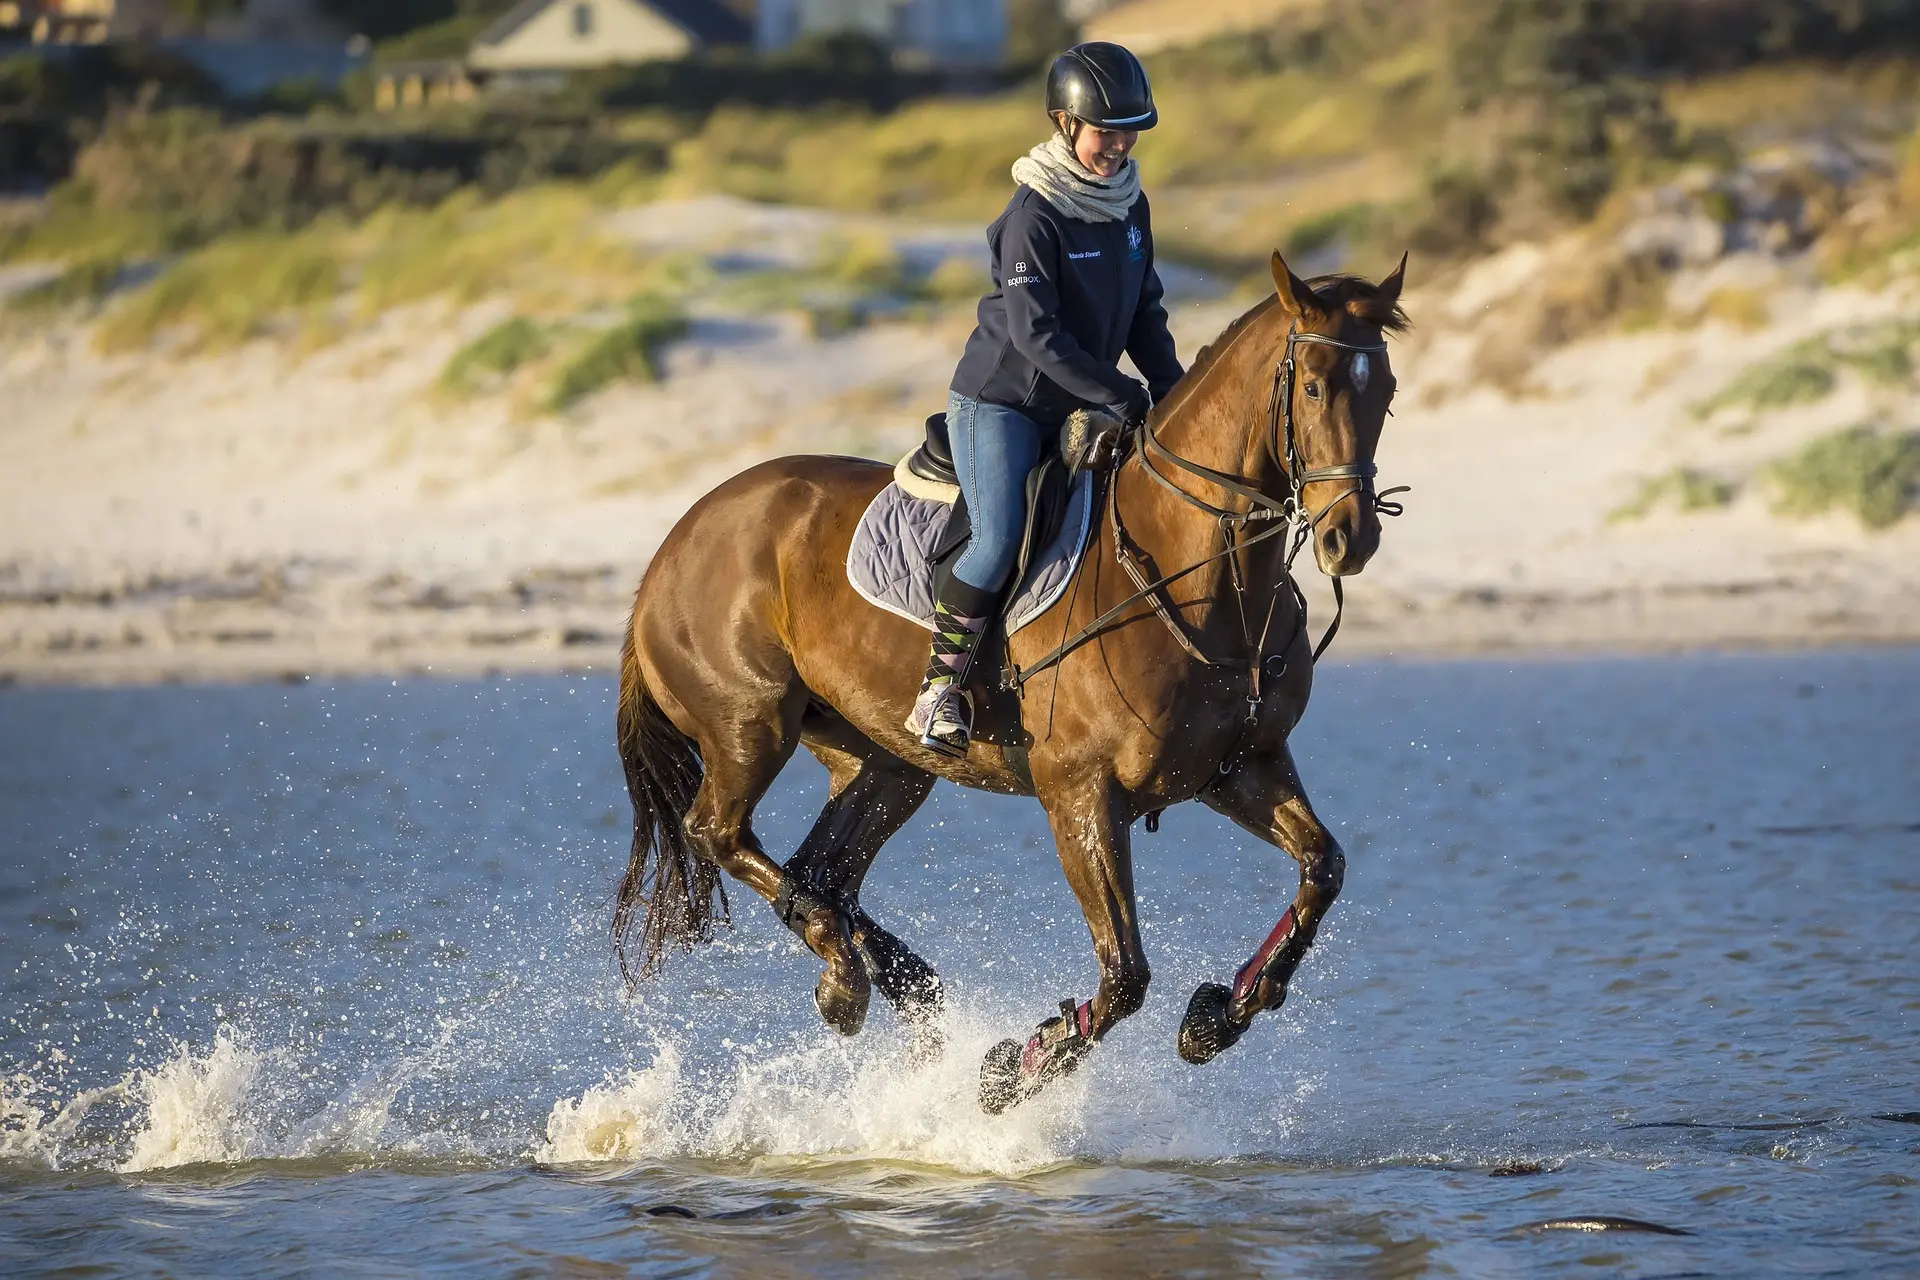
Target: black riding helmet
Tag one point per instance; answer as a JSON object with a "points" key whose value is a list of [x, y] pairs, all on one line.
{"points": [[1102, 85]]}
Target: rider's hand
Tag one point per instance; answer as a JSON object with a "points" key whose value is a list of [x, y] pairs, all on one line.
{"points": [[1133, 409]]}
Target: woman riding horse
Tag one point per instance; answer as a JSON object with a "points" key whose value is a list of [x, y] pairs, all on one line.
{"points": [[1182, 665], [1075, 286]]}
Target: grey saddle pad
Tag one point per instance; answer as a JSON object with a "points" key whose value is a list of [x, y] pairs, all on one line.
{"points": [[889, 564]]}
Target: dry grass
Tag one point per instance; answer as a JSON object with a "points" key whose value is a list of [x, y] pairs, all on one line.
{"points": [[541, 245], [1682, 489], [230, 292]]}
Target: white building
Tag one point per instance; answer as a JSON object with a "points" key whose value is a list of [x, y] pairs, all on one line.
{"points": [[570, 35]]}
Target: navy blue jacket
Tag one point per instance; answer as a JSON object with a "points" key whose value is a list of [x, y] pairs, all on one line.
{"points": [[1069, 297]]}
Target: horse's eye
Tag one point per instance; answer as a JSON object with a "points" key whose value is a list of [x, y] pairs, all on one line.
{"points": [[1313, 391]]}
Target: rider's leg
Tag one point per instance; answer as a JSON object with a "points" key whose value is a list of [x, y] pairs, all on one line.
{"points": [[994, 448]]}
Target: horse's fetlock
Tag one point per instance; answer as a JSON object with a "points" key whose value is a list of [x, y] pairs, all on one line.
{"points": [[1128, 992], [1328, 872]]}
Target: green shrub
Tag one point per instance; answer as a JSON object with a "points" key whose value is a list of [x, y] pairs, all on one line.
{"points": [[1874, 475], [86, 281], [629, 351], [1801, 374], [1685, 488], [1881, 352], [497, 353]]}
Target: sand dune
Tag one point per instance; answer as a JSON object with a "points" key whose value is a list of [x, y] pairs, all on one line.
{"points": [[259, 513]]}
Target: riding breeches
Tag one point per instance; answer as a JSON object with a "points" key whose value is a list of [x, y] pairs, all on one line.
{"points": [[994, 448]]}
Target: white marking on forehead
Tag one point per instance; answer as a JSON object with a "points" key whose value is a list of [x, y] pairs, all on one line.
{"points": [[1362, 371]]}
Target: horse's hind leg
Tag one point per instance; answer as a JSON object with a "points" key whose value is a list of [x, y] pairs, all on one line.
{"points": [[743, 754], [1264, 796], [871, 795]]}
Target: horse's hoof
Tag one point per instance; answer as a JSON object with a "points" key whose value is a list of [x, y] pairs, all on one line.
{"points": [[844, 1008], [1207, 1031], [844, 990], [1000, 1086]]}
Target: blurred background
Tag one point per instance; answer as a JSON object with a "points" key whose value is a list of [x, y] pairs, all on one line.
{"points": [[346, 337]]}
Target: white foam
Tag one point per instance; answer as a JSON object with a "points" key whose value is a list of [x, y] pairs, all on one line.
{"points": [[196, 1108], [873, 1098]]}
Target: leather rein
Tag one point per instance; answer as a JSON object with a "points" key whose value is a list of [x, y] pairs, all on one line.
{"points": [[1284, 516]]}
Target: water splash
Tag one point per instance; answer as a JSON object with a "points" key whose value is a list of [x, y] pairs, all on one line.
{"points": [[884, 1097], [196, 1108]]}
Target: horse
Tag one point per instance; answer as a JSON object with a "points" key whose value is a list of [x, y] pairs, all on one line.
{"points": [[746, 641]]}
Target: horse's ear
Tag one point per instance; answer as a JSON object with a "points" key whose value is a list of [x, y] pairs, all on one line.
{"points": [[1383, 308], [1296, 295]]}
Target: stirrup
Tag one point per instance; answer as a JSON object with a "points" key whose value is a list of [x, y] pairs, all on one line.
{"points": [[958, 737]]}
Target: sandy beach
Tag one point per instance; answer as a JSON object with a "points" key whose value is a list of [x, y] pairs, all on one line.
{"points": [[272, 513]]}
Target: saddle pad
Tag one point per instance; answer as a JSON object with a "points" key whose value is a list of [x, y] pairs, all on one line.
{"points": [[889, 563]]}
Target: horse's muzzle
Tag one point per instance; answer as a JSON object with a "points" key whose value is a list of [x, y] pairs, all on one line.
{"points": [[1343, 547]]}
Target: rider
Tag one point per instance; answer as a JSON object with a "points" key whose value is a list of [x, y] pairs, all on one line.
{"points": [[1075, 286]]}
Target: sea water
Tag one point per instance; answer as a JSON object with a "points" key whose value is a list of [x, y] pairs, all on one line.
{"points": [[315, 979]]}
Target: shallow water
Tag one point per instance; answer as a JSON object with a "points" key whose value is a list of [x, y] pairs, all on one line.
{"points": [[313, 980]]}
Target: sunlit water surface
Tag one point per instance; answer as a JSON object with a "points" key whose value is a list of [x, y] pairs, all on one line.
{"points": [[314, 980]]}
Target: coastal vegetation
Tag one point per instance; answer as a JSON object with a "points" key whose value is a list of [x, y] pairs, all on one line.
{"points": [[1869, 473], [1451, 127]]}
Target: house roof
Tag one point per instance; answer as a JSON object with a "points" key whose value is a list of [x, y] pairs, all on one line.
{"points": [[707, 21]]}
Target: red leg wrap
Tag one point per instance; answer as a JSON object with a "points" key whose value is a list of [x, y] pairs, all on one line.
{"points": [[1073, 1024], [1249, 973]]}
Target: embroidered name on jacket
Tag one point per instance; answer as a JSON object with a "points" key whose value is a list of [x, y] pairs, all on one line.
{"points": [[1078, 257]]}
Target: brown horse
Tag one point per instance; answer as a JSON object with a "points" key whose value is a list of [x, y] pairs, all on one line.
{"points": [[746, 641]]}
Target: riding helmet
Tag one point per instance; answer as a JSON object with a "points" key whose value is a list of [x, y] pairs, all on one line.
{"points": [[1103, 85]]}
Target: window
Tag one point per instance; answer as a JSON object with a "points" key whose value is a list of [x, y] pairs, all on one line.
{"points": [[583, 20]]}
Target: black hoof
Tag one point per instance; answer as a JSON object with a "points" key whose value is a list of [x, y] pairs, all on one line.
{"points": [[842, 1008], [1000, 1086], [1207, 1031]]}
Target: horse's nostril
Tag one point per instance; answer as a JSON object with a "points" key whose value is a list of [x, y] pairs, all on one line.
{"points": [[1334, 543]]}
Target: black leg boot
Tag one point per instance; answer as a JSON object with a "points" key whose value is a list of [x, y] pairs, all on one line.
{"points": [[943, 713]]}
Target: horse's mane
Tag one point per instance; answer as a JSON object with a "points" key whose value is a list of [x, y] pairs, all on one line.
{"points": [[1340, 290], [1209, 356], [1335, 290]]}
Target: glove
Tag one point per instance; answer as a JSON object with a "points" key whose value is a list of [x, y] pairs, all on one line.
{"points": [[1134, 408]]}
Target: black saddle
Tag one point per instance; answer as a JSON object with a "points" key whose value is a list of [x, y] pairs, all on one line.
{"points": [[1049, 485], [933, 460]]}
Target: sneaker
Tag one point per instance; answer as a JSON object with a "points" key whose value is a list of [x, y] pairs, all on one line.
{"points": [[943, 717]]}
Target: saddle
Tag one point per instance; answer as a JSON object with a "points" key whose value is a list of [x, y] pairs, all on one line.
{"points": [[1086, 441]]}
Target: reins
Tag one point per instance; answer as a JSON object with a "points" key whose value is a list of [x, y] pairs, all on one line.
{"points": [[1284, 516]]}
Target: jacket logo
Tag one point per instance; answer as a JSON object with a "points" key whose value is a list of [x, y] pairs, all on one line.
{"points": [[1020, 267], [1134, 241]]}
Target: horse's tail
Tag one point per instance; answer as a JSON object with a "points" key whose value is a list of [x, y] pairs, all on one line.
{"points": [[669, 892]]}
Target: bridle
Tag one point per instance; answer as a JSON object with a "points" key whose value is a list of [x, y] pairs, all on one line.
{"points": [[1284, 516], [1280, 425]]}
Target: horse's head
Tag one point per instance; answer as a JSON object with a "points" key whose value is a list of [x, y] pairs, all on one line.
{"points": [[1342, 387]]}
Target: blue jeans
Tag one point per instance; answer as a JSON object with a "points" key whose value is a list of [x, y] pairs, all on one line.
{"points": [[994, 448]]}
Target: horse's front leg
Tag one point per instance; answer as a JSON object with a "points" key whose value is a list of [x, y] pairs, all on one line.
{"points": [[1264, 796], [1090, 824]]}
